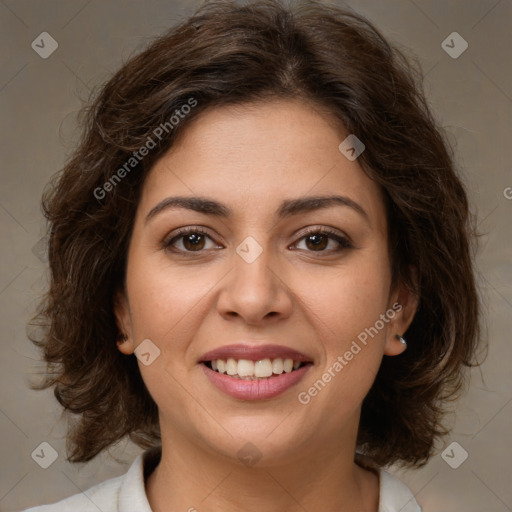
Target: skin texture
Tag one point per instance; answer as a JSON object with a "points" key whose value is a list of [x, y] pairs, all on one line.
{"points": [[251, 158]]}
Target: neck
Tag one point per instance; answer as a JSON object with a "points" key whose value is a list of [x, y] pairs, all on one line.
{"points": [[192, 478]]}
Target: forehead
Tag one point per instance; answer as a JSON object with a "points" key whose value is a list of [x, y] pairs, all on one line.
{"points": [[252, 156]]}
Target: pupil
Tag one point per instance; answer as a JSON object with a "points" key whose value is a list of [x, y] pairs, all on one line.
{"points": [[193, 239], [318, 243]]}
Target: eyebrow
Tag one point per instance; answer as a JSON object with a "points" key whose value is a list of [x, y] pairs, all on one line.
{"points": [[288, 208]]}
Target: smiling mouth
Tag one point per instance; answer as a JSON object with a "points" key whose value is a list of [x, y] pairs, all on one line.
{"points": [[246, 369]]}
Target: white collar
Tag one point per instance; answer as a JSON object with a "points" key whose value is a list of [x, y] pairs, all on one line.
{"points": [[394, 496]]}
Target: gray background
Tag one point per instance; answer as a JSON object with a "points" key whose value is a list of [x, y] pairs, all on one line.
{"points": [[471, 97]]}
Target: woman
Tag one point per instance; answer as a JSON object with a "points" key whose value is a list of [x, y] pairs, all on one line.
{"points": [[261, 269]]}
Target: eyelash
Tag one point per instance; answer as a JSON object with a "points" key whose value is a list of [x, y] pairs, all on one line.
{"points": [[343, 241]]}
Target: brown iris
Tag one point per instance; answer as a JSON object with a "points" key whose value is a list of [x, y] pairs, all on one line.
{"points": [[318, 241], [193, 241]]}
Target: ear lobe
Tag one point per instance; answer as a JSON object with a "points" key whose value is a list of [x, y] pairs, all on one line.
{"points": [[405, 303], [122, 313], [125, 345], [394, 346]]}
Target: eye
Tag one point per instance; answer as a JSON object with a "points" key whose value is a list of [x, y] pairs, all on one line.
{"points": [[194, 239], [190, 239], [317, 240]]}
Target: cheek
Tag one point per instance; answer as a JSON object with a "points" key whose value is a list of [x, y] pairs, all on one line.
{"points": [[344, 309], [343, 304], [159, 294], [168, 302]]}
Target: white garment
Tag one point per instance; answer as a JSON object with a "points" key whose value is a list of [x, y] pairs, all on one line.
{"points": [[126, 493]]}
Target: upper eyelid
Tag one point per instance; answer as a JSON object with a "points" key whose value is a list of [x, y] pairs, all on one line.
{"points": [[186, 230], [324, 230]]}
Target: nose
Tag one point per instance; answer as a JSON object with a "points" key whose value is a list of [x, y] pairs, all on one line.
{"points": [[255, 291]]}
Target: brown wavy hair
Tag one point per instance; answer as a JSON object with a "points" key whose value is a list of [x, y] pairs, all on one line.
{"points": [[230, 54]]}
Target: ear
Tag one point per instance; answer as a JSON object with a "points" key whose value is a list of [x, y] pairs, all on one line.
{"points": [[124, 324], [404, 302]]}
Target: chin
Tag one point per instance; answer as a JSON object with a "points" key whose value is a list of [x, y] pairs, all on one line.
{"points": [[263, 441]]}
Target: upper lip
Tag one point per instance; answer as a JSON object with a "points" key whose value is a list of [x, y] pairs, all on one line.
{"points": [[254, 353]]}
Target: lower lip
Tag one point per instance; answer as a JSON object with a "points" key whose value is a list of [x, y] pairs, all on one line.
{"points": [[255, 389]]}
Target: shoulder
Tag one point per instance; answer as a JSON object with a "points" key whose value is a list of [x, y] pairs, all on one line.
{"points": [[125, 492], [104, 496], [395, 496]]}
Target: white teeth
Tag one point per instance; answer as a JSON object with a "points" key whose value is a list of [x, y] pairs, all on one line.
{"points": [[263, 368], [231, 367], [245, 368], [277, 366], [250, 370]]}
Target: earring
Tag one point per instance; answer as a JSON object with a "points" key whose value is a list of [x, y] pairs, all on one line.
{"points": [[401, 340]]}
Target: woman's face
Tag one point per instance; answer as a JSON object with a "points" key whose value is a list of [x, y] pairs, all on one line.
{"points": [[270, 271]]}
